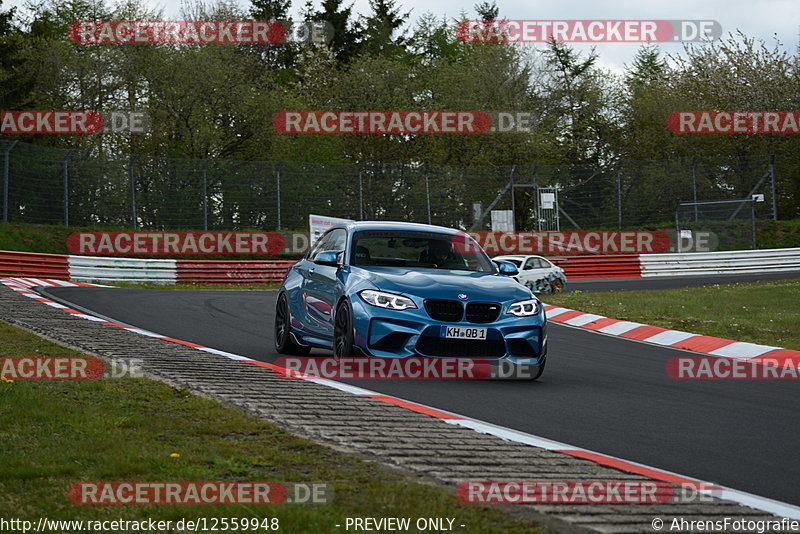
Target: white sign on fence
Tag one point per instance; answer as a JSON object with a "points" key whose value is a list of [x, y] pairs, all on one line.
{"points": [[319, 224], [548, 200], [502, 221]]}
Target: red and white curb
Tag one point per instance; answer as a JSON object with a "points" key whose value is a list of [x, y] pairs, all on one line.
{"points": [[784, 510], [676, 339]]}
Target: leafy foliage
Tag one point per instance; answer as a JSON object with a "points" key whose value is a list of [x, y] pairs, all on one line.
{"points": [[217, 101]]}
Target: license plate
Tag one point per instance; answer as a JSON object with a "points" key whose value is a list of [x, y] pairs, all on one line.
{"points": [[463, 332]]}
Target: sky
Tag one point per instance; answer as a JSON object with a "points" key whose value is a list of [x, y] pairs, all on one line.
{"points": [[763, 19]]}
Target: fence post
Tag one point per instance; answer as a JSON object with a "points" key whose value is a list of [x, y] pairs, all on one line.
{"points": [[513, 198], [278, 191], [132, 179], [360, 193], [66, 186], [694, 190], [774, 191], [205, 195], [619, 199], [6, 177], [753, 221], [428, 194]]}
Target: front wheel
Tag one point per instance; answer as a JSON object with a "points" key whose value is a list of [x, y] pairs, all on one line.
{"points": [[343, 331], [284, 343], [558, 286]]}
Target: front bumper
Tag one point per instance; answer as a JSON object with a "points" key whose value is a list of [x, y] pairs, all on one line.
{"points": [[398, 334]]}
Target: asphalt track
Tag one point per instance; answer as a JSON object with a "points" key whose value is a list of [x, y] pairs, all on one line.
{"points": [[599, 392]]}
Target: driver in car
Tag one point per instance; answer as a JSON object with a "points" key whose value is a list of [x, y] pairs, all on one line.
{"points": [[440, 254]]}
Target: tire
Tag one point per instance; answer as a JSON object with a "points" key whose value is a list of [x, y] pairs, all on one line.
{"points": [[284, 343], [343, 331], [558, 286], [530, 285], [541, 370]]}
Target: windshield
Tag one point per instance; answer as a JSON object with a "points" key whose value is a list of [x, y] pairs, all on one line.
{"points": [[426, 250]]}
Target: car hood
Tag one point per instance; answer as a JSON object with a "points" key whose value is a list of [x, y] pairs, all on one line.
{"points": [[444, 284]]}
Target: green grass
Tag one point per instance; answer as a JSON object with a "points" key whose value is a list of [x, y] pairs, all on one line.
{"points": [[759, 312], [56, 433], [41, 238]]}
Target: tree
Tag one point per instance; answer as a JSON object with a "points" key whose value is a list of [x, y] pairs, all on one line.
{"points": [[13, 87], [272, 57], [487, 10], [345, 35], [648, 100], [270, 9], [584, 100], [648, 67], [743, 73], [380, 34]]}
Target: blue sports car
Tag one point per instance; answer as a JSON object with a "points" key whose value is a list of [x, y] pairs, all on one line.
{"points": [[392, 289]]}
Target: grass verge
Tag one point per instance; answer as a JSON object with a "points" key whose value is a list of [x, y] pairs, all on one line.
{"points": [[759, 312], [56, 433]]}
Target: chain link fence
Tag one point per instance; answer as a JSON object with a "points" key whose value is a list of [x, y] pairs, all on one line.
{"points": [[75, 188]]}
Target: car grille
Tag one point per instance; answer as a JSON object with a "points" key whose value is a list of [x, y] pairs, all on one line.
{"points": [[452, 311], [444, 310], [482, 312], [461, 348]]}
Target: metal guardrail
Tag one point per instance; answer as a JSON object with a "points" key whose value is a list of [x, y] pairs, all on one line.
{"points": [[100, 269], [33, 265], [105, 269], [611, 266], [231, 272], [730, 262], [135, 270]]}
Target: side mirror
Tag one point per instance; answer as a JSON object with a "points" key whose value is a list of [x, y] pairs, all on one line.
{"points": [[329, 258], [507, 268]]}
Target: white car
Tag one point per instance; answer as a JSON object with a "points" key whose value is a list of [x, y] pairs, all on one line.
{"points": [[537, 273]]}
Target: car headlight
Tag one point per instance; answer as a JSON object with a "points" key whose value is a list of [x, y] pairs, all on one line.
{"points": [[525, 308], [386, 300]]}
